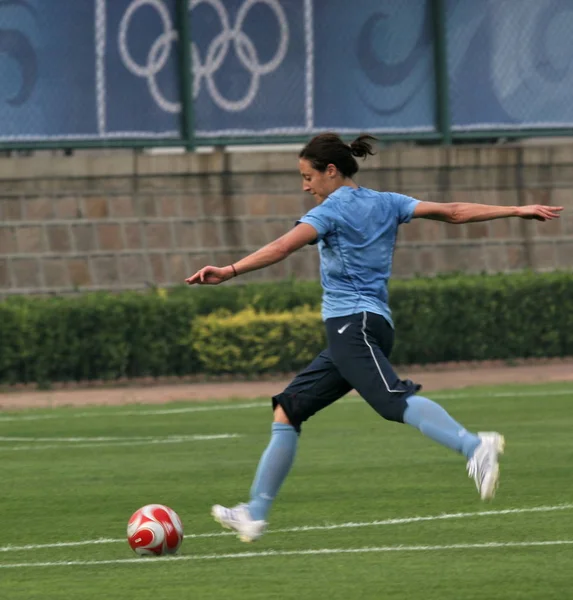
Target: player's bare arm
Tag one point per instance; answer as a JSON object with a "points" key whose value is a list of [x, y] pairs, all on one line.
{"points": [[466, 212]]}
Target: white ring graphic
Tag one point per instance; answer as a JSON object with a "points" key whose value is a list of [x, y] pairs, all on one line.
{"points": [[244, 48], [215, 55], [154, 58], [158, 53]]}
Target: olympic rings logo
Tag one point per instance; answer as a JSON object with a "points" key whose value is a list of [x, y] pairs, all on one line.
{"points": [[216, 53]]}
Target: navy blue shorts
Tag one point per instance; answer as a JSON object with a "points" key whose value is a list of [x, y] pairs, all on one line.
{"points": [[356, 358]]}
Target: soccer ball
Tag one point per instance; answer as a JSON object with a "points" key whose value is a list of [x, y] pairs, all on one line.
{"points": [[154, 530]]}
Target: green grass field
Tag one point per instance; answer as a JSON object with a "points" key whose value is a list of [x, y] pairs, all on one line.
{"points": [[371, 509]]}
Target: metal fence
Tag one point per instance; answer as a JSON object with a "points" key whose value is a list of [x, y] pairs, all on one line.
{"points": [[108, 73]]}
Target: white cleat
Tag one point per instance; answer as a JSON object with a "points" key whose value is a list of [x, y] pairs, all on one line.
{"points": [[483, 466], [239, 519]]}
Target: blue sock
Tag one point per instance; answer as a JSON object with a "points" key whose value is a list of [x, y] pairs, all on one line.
{"points": [[433, 421], [273, 468]]}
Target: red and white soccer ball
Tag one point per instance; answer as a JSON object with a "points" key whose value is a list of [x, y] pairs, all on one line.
{"points": [[155, 530]]}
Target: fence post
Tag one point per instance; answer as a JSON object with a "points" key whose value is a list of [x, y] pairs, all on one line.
{"points": [[441, 69], [185, 74]]}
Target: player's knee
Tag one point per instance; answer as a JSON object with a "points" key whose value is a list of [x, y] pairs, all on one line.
{"points": [[392, 411], [280, 415]]}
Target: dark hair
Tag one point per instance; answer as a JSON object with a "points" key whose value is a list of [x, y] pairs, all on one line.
{"points": [[328, 149]]}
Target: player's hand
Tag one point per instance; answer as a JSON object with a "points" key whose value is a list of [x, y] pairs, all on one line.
{"points": [[211, 275], [539, 212]]}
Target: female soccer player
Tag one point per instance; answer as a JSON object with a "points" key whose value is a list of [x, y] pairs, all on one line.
{"points": [[356, 231]]}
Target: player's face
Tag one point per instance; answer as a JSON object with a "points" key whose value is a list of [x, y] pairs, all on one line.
{"points": [[319, 184]]}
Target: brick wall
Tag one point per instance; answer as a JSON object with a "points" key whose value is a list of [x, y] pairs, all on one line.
{"points": [[126, 220]]}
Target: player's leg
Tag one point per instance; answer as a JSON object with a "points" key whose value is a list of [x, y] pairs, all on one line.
{"points": [[482, 450], [361, 354], [274, 465], [315, 388]]}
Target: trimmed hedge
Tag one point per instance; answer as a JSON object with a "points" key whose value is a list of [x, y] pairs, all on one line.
{"points": [[96, 336], [106, 336], [482, 318]]}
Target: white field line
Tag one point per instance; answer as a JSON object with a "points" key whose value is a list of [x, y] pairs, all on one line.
{"points": [[100, 443], [132, 413], [266, 553], [212, 407], [72, 440], [305, 528]]}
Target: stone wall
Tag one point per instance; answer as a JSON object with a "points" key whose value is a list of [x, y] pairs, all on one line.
{"points": [[127, 220]]}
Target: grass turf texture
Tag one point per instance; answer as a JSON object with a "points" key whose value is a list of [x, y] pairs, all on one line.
{"points": [[351, 467]]}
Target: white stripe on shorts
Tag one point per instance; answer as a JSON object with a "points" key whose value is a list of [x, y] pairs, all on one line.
{"points": [[374, 356]]}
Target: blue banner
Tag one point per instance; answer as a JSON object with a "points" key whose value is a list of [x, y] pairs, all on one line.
{"points": [[108, 69], [374, 66], [47, 69], [249, 66], [83, 69], [295, 66], [510, 63], [138, 61]]}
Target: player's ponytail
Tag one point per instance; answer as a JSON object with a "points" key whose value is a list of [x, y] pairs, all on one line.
{"points": [[361, 147]]}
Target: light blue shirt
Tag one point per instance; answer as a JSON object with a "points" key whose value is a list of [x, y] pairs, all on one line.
{"points": [[357, 231]]}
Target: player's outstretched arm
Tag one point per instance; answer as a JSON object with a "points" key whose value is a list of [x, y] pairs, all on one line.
{"points": [[270, 254], [466, 212]]}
